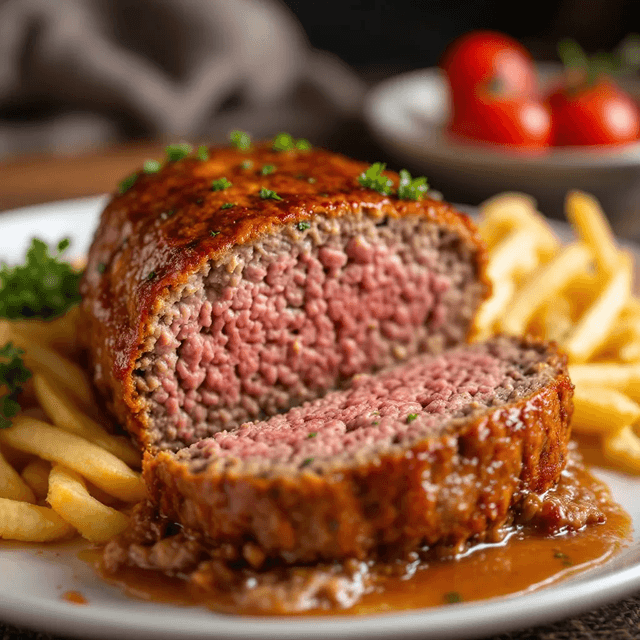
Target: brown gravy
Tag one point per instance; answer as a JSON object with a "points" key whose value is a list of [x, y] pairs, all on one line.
{"points": [[524, 561]]}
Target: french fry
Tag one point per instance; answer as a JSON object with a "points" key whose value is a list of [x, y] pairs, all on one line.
{"points": [[64, 413], [493, 308], [94, 463], [12, 486], [585, 213], [515, 255], [69, 498], [30, 523], [591, 331], [622, 449], [544, 286], [555, 321], [622, 377], [599, 409], [36, 475], [60, 334]]}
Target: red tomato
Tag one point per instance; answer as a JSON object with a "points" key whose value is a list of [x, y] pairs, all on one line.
{"points": [[595, 114], [491, 63], [522, 123]]}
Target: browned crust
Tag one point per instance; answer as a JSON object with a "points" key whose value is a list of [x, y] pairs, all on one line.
{"points": [[138, 254], [459, 486]]}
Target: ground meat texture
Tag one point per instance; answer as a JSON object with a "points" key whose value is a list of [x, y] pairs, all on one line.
{"points": [[438, 450], [201, 316]]}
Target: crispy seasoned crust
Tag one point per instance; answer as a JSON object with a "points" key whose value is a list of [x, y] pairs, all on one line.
{"points": [[460, 485], [153, 237]]}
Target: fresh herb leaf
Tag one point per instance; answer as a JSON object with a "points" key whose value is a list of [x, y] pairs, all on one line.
{"points": [[267, 194], [452, 597], [13, 374], [152, 166], [306, 462], [373, 178], [240, 140], [43, 287], [213, 234], [246, 164], [203, 153], [313, 434], [63, 244], [178, 151], [411, 417], [127, 183], [220, 185], [152, 275], [267, 169], [285, 142], [228, 205], [376, 423], [411, 188], [101, 268], [302, 226]]}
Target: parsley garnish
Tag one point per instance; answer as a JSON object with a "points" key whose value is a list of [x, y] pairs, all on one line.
{"points": [[267, 169], [285, 142], [246, 164], [411, 188], [306, 462], [151, 275], [203, 153], [452, 597], [240, 140], [302, 226], [42, 287], [311, 180], [101, 268], [213, 234], [220, 185], [13, 374], [375, 423], [178, 151], [152, 166], [566, 560], [267, 194], [372, 178], [228, 205], [127, 183], [411, 417], [313, 434]]}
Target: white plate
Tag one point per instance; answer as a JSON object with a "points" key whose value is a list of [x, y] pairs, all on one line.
{"points": [[33, 579]]}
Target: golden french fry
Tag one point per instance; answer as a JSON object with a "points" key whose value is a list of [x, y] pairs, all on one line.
{"points": [[591, 331], [544, 286], [60, 334], [36, 475], [515, 255], [622, 377], [555, 320], [493, 308], [94, 463], [591, 224], [12, 486], [69, 498], [630, 352], [622, 449], [64, 413], [631, 309], [600, 409], [30, 523]]}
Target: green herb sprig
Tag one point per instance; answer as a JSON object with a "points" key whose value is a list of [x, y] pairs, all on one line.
{"points": [[373, 178], [43, 287], [408, 189], [267, 194], [411, 188], [286, 142], [220, 185], [240, 140], [13, 375]]}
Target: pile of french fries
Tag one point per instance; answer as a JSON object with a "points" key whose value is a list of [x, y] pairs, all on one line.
{"points": [[61, 471], [581, 296]]}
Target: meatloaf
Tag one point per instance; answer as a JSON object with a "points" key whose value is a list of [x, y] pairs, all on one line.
{"points": [[438, 450], [233, 288]]}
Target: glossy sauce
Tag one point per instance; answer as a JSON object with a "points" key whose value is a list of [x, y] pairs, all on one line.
{"points": [[74, 597], [522, 562]]}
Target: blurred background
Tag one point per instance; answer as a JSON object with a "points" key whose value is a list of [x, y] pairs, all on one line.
{"points": [[89, 88]]}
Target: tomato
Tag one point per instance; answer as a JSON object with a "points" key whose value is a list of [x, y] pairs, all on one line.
{"points": [[593, 114], [520, 123], [488, 62]]}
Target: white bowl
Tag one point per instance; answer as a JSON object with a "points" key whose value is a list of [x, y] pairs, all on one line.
{"points": [[408, 113]]}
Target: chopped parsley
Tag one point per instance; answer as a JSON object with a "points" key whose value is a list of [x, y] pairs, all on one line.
{"points": [[43, 287], [267, 169], [313, 434], [302, 226], [375, 423], [13, 374], [220, 185], [267, 194], [306, 462], [411, 188], [151, 275], [411, 417], [246, 164], [228, 205], [240, 140], [167, 214], [213, 234], [101, 268], [311, 180], [451, 597], [178, 151], [152, 166], [202, 153], [285, 142], [127, 183], [373, 178], [566, 560]]}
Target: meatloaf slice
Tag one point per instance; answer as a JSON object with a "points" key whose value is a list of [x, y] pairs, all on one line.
{"points": [[439, 450], [207, 305]]}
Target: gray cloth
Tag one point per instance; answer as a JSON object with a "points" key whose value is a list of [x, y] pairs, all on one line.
{"points": [[76, 74]]}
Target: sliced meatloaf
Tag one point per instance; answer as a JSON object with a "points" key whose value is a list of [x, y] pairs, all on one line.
{"points": [[438, 450], [208, 304]]}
